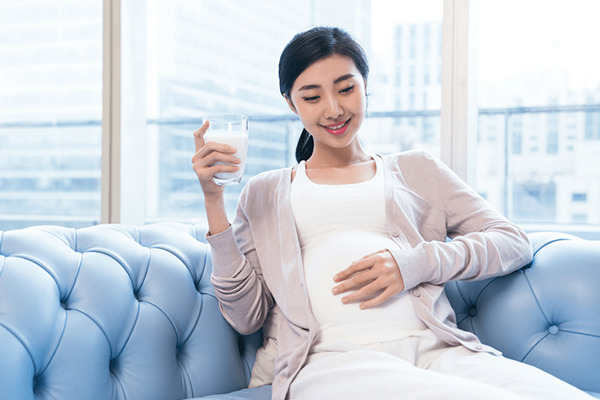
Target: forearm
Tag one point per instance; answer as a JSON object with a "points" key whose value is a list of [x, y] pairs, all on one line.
{"points": [[216, 215], [239, 286], [477, 255]]}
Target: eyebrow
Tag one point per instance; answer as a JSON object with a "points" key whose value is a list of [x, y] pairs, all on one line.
{"points": [[338, 80]]}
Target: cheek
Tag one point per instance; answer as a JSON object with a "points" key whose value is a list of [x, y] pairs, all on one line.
{"points": [[307, 114], [358, 100], [359, 105]]}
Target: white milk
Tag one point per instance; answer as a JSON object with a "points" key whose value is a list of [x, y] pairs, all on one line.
{"points": [[241, 144]]}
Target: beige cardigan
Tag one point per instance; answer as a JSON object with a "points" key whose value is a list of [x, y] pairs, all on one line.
{"points": [[257, 263]]}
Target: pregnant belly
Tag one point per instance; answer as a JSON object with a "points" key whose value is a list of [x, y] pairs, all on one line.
{"points": [[323, 259]]}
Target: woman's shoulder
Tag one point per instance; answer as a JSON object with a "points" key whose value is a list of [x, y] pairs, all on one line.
{"points": [[269, 178], [411, 159], [266, 183], [422, 171]]}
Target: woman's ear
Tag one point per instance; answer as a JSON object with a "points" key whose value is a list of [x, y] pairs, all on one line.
{"points": [[290, 104]]}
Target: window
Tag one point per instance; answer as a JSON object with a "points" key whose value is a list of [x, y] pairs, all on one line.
{"points": [[412, 100], [50, 113], [580, 197], [592, 125], [528, 137], [426, 40], [412, 76], [552, 135], [215, 57], [185, 59], [517, 135], [204, 58], [541, 89], [399, 43]]}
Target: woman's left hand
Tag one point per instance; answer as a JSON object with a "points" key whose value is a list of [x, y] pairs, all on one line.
{"points": [[377, 272]]}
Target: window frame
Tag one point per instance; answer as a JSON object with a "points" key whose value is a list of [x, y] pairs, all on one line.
{"points": [[111, 113]]}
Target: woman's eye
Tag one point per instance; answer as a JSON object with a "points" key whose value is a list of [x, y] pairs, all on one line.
{"points": [[348, 89], [313, 98]]}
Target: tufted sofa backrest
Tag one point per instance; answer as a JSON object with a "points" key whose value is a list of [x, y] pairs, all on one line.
{"points": [[118, 312], [114, 312], [546, 314]]}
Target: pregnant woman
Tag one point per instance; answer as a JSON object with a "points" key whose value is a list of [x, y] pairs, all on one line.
{"points": [[345, 254]]}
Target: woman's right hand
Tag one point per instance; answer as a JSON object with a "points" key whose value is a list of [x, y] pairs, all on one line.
{"points": [[203, 161]]}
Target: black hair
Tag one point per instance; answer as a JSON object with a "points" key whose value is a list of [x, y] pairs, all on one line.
{"points": [[305, 49]]}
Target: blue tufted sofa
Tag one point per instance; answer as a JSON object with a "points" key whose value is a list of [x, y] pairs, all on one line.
{"points": [[121, 312]]}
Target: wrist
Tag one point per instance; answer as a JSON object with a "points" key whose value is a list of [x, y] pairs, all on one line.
{"points": [[216, 214], [214, 201]]}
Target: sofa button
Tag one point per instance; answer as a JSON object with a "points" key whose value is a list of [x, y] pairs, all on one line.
{"points": [[473, 311], [553, 329]]}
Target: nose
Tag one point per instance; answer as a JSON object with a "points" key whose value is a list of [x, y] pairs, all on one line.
{"points": [[333, 108]]}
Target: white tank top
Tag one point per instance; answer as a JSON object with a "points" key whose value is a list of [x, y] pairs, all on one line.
{"points": [[337, 225]]}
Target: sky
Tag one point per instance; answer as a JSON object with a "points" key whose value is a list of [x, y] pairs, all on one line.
{"points": [[513, 36], [516, 35]]}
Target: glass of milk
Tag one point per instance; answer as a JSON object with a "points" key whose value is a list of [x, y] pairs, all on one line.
{"points": [[231, 129]]}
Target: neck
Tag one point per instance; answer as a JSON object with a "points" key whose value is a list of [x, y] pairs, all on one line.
{"points": [[338, 157], [340, 164]]}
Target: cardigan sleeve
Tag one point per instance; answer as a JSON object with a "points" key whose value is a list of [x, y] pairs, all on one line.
{"points": [[484, 243], [244, 298]]}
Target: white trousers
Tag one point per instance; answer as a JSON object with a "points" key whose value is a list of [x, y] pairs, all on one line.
{"points": [[422, 367]]}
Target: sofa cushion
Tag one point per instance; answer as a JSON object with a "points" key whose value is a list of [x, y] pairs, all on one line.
{"points": [[259, 393]]}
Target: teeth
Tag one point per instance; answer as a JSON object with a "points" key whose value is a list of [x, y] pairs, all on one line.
{"points": [[333, 128]]}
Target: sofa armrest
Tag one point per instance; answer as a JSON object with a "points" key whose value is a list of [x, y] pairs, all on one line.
{"points": [[545, 314]]}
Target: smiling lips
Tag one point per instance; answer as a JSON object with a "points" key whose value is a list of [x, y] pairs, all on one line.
{"points": [[337, 129]]}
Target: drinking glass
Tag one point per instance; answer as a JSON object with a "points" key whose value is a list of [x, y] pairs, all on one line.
{"points": [[231, 129]]}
